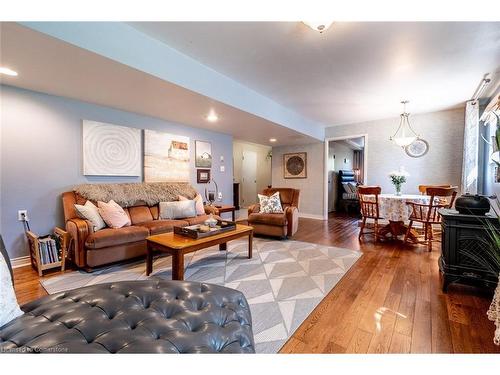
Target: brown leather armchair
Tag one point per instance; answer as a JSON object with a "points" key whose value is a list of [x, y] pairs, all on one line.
{"points": [[279, 225]]}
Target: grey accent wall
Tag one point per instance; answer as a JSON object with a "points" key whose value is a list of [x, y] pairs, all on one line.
{"points": [[41, 157], [312, 187], [443, 130]]}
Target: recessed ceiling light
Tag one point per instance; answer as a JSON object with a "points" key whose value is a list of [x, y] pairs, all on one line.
{"points": [[8, 71], [212, 117], [272, 140]]}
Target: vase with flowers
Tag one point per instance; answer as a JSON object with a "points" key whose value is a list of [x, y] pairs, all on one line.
{"points": [[398, 178]]}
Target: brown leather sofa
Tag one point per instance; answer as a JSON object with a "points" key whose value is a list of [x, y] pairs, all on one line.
{"points": [[93, 249], [277, 225]]}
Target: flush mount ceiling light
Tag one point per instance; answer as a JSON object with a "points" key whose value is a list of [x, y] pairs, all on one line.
{"points": [[272, 140], [320, 26], [405, 135], [7, 71], [212, 117]]}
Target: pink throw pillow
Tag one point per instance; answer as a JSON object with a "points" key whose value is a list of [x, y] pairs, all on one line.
{"points": [[200, 210], [113, 215]]}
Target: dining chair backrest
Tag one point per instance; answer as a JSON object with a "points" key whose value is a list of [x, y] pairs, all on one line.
{"points": [[423, 188], [368, 201], [439, 197]]}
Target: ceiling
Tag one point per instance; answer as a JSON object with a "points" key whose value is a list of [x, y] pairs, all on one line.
{"points": [[351, 73], [49, 65]]}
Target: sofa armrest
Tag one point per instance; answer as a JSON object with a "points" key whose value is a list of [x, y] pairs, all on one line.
{"points": [[254, 209], [79, 230], [211, 210], [292, 218]]}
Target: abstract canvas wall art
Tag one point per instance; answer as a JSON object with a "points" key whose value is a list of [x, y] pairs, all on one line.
{"points": [[166, 157], [203, 154], [110, 150]]}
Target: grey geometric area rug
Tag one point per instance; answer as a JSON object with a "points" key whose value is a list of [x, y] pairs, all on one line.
{"points": [[283, 282]]}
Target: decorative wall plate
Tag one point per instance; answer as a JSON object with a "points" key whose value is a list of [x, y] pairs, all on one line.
{"points": [[418, 148]]}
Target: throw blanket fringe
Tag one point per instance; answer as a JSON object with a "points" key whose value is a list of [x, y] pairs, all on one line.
{"points": [[131, 194]]}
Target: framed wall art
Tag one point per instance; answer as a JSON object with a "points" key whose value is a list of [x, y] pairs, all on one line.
{"points": [[166, 157], [203, 176], [203, 154], [295, 165]]}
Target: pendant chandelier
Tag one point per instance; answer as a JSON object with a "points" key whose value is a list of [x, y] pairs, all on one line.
{"points": [[405, 135]]}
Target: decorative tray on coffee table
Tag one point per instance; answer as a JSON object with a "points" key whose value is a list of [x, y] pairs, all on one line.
{"points": [[201, 230]]}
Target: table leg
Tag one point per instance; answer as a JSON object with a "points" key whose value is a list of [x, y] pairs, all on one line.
{"points": [[250, 245], [223, 246], [233, 215], [149, 260], [177, 266]]}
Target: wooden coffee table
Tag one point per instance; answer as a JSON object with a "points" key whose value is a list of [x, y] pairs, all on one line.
{"points": [[178, 245]]}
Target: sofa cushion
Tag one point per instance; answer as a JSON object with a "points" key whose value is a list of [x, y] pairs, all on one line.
{"points": [[163, 226], [116, 236], [90, 212], [270, 219], [200, 219], [140, 214]]}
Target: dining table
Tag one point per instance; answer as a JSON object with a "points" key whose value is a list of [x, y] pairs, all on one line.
{"points": [[394, 208]]}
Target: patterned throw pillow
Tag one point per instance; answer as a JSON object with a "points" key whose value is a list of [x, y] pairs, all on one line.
{"points": [[270, 205], [9, 308]]}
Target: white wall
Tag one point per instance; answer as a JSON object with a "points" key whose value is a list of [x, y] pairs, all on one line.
{"points": [[263, 164], [312, 187], [338, 152], [443, 130]]}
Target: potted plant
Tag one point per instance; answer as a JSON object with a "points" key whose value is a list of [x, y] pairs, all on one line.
{"points": [[398, 178]]}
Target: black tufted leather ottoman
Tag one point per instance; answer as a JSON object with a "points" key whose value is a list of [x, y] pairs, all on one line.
{"points": [[153, 316]]}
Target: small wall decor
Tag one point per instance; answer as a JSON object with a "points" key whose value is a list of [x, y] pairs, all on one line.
{"points": [[202, 176], [110, 150], [295, 165], [417, 148], [203, 154], [166, 157]]}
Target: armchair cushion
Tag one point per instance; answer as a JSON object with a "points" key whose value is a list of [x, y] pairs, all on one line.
{"points": [[270, 219]]}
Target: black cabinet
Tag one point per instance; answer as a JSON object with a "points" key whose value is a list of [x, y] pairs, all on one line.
{"points": [[465, 239], [236, 195]]}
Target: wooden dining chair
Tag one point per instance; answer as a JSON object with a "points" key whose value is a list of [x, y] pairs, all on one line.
{"points": [[427, 214], [368, 201], [423, 188]]}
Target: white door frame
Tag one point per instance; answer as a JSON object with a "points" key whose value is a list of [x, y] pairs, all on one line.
{"points": [[325, 173]]}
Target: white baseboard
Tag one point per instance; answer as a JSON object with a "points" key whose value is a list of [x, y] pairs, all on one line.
{"points": [[311, 216], [21, 261]]}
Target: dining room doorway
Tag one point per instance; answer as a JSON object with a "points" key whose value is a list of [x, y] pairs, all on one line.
{"points": [[345, 167]]}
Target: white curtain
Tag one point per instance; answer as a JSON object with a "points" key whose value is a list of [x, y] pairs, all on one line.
{"points": [[470, 163]]}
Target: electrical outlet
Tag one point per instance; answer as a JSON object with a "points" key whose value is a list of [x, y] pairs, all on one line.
{"points": [[222, 168], [22, 215], [219, 196]]}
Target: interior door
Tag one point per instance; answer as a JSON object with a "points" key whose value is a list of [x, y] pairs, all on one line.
{"points": [[249, 178]]}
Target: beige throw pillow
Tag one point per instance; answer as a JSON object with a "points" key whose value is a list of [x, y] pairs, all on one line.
{"points": [[200, 209], [113, 214], [90, 212], [177, 210]]}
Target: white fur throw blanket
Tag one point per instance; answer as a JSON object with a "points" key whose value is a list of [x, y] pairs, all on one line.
{"points": [[132, 194]]}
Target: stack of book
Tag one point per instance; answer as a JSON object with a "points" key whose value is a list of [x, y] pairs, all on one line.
{"points": [[48, 250]]}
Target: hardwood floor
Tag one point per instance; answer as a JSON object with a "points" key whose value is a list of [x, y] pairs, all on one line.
{"points": [[390, 301]]}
